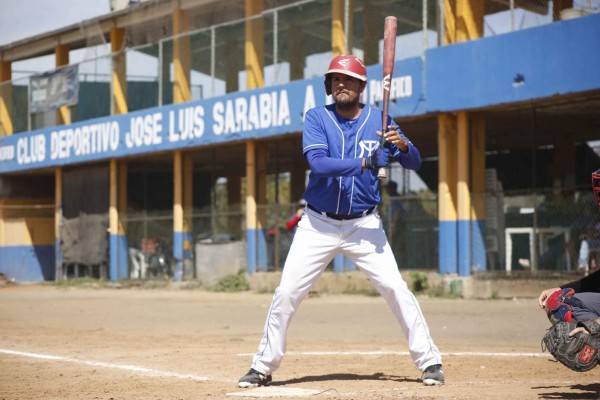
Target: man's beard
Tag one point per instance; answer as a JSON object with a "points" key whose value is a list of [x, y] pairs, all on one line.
{"points": [[347, 104]]}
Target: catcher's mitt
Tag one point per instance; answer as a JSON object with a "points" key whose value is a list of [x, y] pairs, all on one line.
{"points": [[579, 352]]}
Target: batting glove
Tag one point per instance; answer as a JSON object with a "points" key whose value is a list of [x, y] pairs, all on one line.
{"points": [[379, 159]]}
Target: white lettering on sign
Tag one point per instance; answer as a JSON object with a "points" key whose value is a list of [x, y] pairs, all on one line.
{"points": [[144, 130], [309, 100], [84, 140], [267, 110], [7, 153], [186, 123], [401, 87], [31, 149]]}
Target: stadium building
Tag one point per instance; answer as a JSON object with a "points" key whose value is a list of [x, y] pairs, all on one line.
{"points": [[167, 140]]}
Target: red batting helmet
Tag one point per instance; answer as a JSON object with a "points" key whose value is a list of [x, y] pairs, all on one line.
{"points": [[596, 186], [347, 65]]}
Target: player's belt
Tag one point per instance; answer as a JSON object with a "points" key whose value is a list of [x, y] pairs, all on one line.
{"points": [[341, 217]]}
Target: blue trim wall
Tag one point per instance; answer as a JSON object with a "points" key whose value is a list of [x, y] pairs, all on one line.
{"points": [[556, 59], [28, 263]]}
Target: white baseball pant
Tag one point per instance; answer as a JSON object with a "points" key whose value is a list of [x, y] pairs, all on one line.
{"points": [[317, 241]]}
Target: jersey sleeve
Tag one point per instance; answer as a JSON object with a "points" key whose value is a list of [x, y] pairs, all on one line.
{"points": [[322, 165], [313, 134]]}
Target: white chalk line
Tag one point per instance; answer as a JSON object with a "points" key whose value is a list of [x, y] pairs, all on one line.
{"points": [[168, 374], [131, 368], [404, 353]]}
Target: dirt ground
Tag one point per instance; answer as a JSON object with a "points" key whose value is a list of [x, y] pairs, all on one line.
{"points": [[85, 343]]}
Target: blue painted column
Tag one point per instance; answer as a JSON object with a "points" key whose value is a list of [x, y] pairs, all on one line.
{"points": [[58, 254]]}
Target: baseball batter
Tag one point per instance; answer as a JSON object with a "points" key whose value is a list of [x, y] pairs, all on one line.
{"points": [[341, 142]]}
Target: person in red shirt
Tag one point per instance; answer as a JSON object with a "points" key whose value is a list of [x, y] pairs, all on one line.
{"points": [[294, 219]]}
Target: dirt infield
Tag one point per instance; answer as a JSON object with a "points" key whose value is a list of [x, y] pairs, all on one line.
{"points": [[76, 343]]}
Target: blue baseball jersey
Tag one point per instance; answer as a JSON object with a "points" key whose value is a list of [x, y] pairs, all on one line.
{"points": [[343, 187]]}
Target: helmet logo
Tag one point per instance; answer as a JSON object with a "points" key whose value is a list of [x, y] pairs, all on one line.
{"points": [[344, 63]]}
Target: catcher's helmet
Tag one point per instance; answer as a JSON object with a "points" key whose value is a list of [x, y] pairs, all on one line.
{"points": [[347, 65], [596, 186]]}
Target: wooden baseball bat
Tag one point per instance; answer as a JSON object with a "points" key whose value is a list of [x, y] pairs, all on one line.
{"points": [[389, 51]]}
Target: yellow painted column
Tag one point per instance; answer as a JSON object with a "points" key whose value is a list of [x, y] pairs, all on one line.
{"points": [[181, 57], [58, 256], [119, 72], [254, 44], [113, 220], [182, 170], [63, 114], [178, 213], [6, 99], [177, 192], [449, 22], [251, 237], [447, 202], [338, 39], [463, 194], [469, 20], [188, 209], [254, 64], [463, 21]]}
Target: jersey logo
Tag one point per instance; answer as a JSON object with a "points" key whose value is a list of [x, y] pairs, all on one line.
{"points": [[367, 146]]}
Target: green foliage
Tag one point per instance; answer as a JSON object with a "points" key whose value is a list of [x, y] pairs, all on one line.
{"points": [[231, 283], [420, 281]]}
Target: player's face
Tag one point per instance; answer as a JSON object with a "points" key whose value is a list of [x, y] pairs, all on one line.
{"points": [[345, 90]]}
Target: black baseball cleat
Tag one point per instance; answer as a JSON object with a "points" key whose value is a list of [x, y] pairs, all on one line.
{"points": [[433, 375], [254, 379]]}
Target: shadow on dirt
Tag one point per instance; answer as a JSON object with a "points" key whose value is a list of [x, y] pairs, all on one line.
{"points": [[590, 391], [346, 377]]}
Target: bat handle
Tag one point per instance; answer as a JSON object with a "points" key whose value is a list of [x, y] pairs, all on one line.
{"points": [[382, 173]]}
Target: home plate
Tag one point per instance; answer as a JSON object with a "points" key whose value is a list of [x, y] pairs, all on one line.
{"points": [[275, 392]]}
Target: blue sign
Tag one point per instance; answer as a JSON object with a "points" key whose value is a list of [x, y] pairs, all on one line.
{"points": [[238, 116]]}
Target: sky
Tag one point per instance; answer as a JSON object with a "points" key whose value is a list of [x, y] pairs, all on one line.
{"points": [[21, 19]]}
